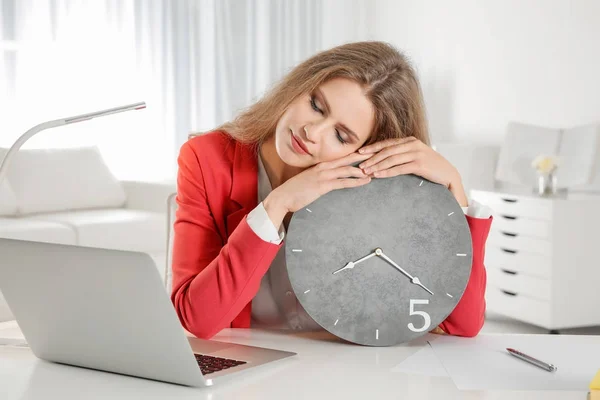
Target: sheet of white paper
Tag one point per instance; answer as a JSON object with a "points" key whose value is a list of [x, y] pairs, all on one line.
{"points": [[422, 362], [482, 362]]}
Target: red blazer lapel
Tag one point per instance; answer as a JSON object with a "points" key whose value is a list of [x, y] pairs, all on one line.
{"points": [[244, 185]]}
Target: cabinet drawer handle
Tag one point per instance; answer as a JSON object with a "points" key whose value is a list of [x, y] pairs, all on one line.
{"points": [[509, 234], [509, 293], [506, 271], [509, 251], [511, 217], [509, 200]]}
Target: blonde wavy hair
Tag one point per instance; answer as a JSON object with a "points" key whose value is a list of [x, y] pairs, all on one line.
{"points": [[386, 75]]}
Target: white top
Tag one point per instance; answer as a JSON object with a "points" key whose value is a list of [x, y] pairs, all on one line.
{"points": [[276, 305]]}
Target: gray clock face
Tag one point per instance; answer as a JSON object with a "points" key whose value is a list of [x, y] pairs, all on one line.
{"points": [[383, 263]]}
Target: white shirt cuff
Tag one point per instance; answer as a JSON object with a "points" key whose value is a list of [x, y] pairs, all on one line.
{"points": [[477, 210], [261, 224]]}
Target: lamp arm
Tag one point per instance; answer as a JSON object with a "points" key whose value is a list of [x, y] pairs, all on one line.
{"points": [[59, 122], [21, 141]]}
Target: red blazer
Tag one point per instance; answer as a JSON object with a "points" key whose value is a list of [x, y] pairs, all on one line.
{"points": [[218, 260]]}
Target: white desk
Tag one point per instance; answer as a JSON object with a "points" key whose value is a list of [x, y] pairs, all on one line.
{"points": [[324, 368]]}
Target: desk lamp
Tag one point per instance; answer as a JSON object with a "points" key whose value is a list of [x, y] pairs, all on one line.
{"points": [[59, 122]]}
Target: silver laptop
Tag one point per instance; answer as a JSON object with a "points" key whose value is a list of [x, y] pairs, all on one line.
{"points": [[108, 310]]}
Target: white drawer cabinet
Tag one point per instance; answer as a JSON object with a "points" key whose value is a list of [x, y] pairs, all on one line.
{"points": [[515, 205], [524, 262], [515, 283], [517, 241], [543, 258], [534, 228]]}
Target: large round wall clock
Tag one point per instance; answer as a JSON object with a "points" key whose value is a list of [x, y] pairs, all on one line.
{"points": [[383, 263]]}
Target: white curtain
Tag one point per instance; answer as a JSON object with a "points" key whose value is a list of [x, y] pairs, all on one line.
{"points": [[194, 62]]}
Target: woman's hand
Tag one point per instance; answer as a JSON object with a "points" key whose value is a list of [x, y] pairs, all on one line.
{"points": [[309, 185], [409, 155]]}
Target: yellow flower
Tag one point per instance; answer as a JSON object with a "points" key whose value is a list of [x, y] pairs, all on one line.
{"points": [[544, 164]]}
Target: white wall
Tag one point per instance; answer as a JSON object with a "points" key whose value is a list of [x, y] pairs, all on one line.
{"points": [[344, 21], [484, 63]]}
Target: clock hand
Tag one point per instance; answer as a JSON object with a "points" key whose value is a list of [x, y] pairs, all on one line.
{"points": [[399, 268], [413, 279], [352, 264], [417, 282]]}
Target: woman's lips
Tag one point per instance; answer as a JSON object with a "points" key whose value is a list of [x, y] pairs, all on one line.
{"points": [[298, 145]]}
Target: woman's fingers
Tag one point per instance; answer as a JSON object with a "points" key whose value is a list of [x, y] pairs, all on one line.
{"points": [[378, 146], [344, 172], [404, 169], [347, 183], [343, 177], [389, 151], [391, 161], [350, 159]]}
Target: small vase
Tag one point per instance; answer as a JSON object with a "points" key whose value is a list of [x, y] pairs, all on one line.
{"points": [[547, 184]]}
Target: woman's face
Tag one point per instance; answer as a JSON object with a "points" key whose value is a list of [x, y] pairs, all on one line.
{"points": [[330, 123]]}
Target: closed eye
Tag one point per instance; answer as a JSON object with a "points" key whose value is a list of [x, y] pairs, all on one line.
{"points": [[316, 108]]}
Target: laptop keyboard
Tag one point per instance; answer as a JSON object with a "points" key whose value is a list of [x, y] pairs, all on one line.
{"points": [[210, 364]]}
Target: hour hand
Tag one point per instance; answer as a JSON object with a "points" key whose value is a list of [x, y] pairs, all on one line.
{"points": [[352, 264]]}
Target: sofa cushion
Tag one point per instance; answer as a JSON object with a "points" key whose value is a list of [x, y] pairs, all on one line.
{"points": [[55, 180], [8, 201], [119, 229], [36, 231]]}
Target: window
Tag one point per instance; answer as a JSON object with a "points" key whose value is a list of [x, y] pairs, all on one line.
{"points": [[63, 58]]}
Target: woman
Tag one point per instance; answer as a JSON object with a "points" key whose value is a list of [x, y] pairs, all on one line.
{"points": [[238, 186]]}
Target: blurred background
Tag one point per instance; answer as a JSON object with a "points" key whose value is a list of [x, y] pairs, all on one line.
{"points": [[196, 62], [504, 82]]}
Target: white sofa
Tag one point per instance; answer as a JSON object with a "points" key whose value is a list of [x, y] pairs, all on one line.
{"points": [[69, 196]]}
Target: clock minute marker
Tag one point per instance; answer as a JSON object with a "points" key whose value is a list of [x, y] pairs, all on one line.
{"points": [[353, 262]]}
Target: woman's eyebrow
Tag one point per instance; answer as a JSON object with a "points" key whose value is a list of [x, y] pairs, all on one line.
{"points": [[344, 127]]}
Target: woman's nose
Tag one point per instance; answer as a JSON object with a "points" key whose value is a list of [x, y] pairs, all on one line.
{"points": [[313, 131], [307, 134]]}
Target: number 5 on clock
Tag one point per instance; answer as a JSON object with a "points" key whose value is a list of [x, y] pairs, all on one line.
{"points": [[423, 314]]}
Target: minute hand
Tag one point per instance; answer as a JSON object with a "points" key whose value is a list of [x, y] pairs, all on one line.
{"points": [[414, 279], [399, 268]]}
